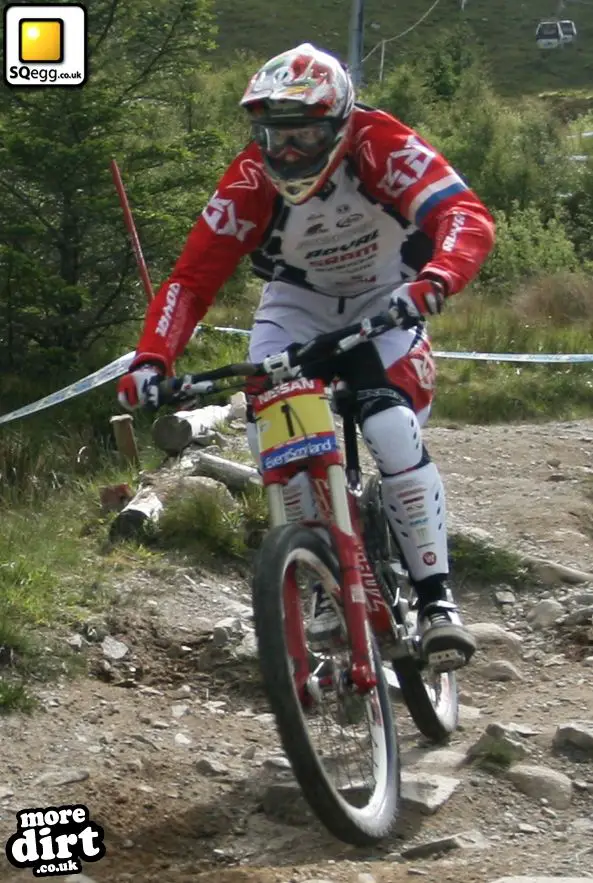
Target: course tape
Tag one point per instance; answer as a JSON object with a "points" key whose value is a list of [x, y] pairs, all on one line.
{"points": [[118, 367]]}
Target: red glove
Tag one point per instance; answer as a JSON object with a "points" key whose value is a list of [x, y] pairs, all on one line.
{"points": [[413, 300]]}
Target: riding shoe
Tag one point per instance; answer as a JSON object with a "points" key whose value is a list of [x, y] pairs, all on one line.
{"points": [[446, 644], [324, 627]]}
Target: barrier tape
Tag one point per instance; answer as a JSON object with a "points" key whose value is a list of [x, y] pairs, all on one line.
{"points": [[118, 367]]}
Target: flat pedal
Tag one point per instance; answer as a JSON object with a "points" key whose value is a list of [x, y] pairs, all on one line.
{"points": [[442, 661]]}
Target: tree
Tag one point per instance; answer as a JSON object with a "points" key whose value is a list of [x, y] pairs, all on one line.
{"points": [[67, 277]]}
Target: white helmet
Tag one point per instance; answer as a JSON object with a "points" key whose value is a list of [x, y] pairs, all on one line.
{"points": [[300, 104]]}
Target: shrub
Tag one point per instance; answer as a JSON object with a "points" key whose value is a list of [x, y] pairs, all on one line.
{"points": [[563, 299]]}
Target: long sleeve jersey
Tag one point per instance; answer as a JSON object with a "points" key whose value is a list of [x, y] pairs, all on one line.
{"points": [[393, 211]]}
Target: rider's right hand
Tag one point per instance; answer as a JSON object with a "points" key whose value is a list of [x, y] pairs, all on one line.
{"points": [[139, 388]]}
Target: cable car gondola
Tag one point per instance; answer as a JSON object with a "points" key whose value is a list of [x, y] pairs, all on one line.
{"points": [[549, 35], [569, 31]]}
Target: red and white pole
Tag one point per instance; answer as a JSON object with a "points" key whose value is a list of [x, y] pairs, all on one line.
{"points": [[128, 218]]}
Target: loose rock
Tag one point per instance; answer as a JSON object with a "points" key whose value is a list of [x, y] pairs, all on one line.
{"points": [[209, 767], [553, 574], [543, 880], [467, 840], [425, 792], [499, 670], [575, 735], [443, 758], [496, 745], [114, 649], [488, 634], [545, 613], [62, 777], [540, 781], [582, 616], [180, 710]]}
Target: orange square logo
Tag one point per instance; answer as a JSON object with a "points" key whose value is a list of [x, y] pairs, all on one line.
{"points": [[41, 40]]}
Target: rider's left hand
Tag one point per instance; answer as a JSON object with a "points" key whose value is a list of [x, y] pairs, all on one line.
{"points": [[412, 301]]}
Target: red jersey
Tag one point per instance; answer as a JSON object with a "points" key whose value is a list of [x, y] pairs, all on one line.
{"points": [[393, 211]]}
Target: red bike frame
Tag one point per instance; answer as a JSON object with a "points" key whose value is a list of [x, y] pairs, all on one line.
{"points": [[338, 507]]}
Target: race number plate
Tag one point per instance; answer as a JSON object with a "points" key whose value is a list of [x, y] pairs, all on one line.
{"points": [[295, 427]]}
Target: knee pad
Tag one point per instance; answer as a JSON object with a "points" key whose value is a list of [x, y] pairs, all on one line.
{"points": [[394, 439]]}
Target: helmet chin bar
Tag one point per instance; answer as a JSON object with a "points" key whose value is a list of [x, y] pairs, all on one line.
{"points": [[299, 190]]}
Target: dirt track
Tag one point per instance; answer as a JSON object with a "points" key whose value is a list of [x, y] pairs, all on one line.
{"points": [[191, 808]]}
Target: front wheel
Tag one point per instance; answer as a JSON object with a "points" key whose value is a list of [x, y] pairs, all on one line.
{"points": [[342, 745], [431, 697]]}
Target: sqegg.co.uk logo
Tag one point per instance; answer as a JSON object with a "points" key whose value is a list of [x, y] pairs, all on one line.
{"points": [[45, 44]]}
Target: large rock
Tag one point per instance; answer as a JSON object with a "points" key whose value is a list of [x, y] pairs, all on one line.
{"points": [[582, 616], [545, 613], [504, 596], [180, 486], [576, 734], [497, 745], [489, 634], [540, 781]]}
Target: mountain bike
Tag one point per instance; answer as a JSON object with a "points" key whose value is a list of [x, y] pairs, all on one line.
{"points": [[350, 774]]}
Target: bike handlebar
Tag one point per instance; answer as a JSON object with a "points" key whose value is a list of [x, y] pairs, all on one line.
{"points": [[280, 366]]}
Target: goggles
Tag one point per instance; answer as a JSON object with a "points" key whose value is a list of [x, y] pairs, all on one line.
{"points": [[308, 140]]}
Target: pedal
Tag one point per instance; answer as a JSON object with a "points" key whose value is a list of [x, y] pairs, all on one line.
{"points": [[442, 661]]}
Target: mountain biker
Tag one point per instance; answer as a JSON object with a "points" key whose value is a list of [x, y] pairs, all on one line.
{"points": [[345, 212]]}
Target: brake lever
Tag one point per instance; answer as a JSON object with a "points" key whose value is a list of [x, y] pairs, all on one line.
{"points": [[176, 389]]}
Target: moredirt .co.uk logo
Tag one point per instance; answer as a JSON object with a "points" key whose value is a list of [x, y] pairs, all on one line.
{"points": [[55, 840], [45, 44]]}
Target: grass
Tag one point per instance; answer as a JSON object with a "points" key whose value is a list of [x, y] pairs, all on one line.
{"points": [[548, 316], [551, 314], [206, 525], [55, 566], [474, 562], [505, 31], [584, 512]]}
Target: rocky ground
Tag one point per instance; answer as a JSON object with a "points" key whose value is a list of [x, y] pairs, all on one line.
{"points": [[169, 742]]}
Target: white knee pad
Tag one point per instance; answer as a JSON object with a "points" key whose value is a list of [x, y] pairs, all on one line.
{"points": [[415, 505], [394, 439]]}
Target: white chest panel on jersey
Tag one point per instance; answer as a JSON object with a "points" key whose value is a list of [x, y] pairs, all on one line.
{"points": [[342, 244], [341, 252]]}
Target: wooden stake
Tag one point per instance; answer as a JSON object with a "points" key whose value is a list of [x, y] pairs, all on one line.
{"points": [[125, 440]]}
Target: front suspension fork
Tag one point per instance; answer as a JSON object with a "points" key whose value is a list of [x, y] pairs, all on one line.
{"points": [[363, 673]]}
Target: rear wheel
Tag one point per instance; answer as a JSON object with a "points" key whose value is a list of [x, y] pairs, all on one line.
{"points": [[431, 697], [342, 745]]}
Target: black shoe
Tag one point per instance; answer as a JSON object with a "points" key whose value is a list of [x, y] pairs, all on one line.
{"points": [[446, 644]]}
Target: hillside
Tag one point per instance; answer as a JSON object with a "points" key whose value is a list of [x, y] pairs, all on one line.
{"points": [[504, 28], [168, 740]]}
